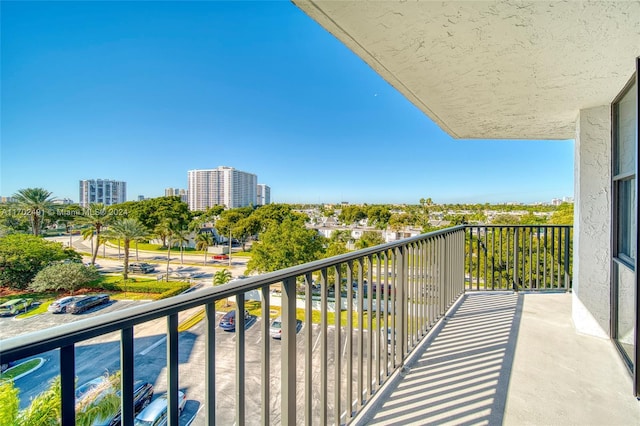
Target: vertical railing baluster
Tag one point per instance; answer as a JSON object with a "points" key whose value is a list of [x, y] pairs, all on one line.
{"points": [[493, 258], [559, 257], [266, 356], [240, 361], [349, 340], [516, 281], [370, 340], [553, 260], [500, 258], [379, 313], [172, 369], [337, 395], [68, 385], [360, 298], [288, 368], [538, 257], [567, 263], [308, 352], [210, 363], [126, 376], [401, 303], [544, 266], [386, 290], [324, 347]]}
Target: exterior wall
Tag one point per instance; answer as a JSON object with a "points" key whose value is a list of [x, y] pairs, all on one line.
{"points": [[222, 186], [592, 221]]}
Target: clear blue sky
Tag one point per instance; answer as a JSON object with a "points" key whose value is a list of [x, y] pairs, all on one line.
{"points": [[144, 91]]}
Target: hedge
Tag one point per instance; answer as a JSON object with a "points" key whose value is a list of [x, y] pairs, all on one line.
{"points": [[165, 289]]}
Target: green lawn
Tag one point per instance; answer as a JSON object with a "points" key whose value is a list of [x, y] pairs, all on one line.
{"points": [[19, 369], [37, 311]]}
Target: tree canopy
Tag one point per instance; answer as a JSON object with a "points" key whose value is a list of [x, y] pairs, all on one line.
{"points": [[63, 276], [285, 244], [23, 256]]}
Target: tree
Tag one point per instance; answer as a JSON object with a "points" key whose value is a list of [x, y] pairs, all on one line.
{"points": [[563, 216], [204, 240], [11, 220], [96, 216], [23, 256], [63, 276], [154, 211], [45, 409], [181, 236], [35, 203], [369, 239], [351, 214], [379, 216], [222, 277], [168, 229], [285, 244], [127, 230]]}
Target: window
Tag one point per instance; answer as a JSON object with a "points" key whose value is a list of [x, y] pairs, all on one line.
{"points": [[624, 173]]}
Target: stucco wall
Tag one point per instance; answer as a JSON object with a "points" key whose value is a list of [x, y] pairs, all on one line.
{"points": [[592, 219]]}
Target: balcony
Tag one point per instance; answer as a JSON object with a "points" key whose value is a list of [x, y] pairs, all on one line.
{"points": [[469, 324]]}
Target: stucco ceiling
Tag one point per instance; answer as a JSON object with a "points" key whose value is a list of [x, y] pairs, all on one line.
{"points": [[493, 69]]}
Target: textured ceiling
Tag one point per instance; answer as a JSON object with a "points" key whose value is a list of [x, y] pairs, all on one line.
{"points": [[516, 70]]}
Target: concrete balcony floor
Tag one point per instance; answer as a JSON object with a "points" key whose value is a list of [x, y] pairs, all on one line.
{"points": [[512, 359]]}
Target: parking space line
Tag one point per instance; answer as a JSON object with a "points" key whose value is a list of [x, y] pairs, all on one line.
{"points": [[152, 347]]}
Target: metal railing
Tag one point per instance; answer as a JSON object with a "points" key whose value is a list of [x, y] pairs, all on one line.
{"points": [[392, 294], [518, 257]]}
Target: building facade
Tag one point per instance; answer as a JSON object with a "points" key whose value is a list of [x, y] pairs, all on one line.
{"points": [[107, 192], [177, 192], [264, 194], [221, 186]]}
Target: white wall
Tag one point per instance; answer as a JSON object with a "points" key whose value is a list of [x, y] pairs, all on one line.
{"points": [[592, 220]]}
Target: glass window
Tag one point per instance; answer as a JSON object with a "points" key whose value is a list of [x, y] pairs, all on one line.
{"points": [[624, 178]]}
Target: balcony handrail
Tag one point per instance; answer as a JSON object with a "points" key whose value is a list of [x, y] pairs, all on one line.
{"points": [[55, 337]]}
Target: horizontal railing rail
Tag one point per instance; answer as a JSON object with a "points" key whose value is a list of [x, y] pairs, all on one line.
{"points": [[519, 257], [392, 294]]}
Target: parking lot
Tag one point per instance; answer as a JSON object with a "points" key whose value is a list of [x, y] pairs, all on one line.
{"points": [[100, 355]]}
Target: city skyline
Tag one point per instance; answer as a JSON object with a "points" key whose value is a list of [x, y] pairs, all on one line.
{"points": [[142, 92]]}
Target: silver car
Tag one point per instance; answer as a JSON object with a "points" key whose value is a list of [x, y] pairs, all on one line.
{"points": [[155, 414], [60, 305]]}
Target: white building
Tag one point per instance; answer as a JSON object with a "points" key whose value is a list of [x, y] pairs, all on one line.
{"points": [[107, 192], [264, 194], [221, 186]]}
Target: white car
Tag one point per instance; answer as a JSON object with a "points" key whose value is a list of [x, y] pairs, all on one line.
{"points": [[60, 305]]}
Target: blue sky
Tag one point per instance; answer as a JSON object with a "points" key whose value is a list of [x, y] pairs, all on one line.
{"points": [[144, 91]]}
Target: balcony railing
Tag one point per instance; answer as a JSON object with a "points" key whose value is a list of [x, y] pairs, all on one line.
{"points": [[519, 257], [392, 295]]}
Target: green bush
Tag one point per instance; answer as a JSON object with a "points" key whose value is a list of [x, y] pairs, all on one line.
{"points": [[174, 291]]}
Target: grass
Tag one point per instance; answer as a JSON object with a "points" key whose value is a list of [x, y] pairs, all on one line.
{"points": [[37, 311], [255, 308], [19, 369]]}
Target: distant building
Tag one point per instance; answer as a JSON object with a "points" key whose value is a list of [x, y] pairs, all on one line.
{"points": [[176, 192], [107, 192], [221, 186], [263, 194], [141, 198], [7, 200], [63, 201], [556, 202]]}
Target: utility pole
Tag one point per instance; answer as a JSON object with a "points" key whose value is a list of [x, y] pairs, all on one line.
{"points": [[229, 247]]}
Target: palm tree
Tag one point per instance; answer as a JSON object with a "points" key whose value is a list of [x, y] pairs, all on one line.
{"points": [[222, 277], [167, 231], [127, 230], [181, 237], [203, 242], [35, 202], [96, 216]]}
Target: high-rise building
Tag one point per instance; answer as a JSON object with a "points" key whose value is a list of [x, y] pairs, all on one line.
{"points": [[107, 192], [176, 192], [264, 194], [221, 186]]}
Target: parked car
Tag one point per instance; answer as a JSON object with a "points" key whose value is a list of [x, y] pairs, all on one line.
{"points": [[142, 396], [14, 307], [143, 268], [60, 306], [97, 388], [155, 414], [87, 302], [275, 330], [228, 321], [220, 257]]}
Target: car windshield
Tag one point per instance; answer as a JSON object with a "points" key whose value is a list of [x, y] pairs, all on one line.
{"points": [[276, 324], [143, 422]]}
